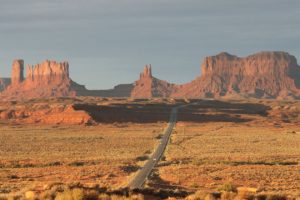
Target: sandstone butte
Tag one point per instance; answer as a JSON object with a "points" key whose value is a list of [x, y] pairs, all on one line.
{"points": [[262, 75], [42, 80], [49, 79], [148, 86]]}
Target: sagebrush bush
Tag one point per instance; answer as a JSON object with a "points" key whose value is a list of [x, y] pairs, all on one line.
{"points": [[228, 195], [228, 187], [77, 194], [104, 197]]}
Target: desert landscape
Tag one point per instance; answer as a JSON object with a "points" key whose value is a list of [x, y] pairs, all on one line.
{"points": [[248, 144], [250, 147], [235, 137], [149, 100]]}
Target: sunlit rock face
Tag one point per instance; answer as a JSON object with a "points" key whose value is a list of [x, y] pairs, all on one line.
{"points": [[48, 71], [17, 74], [262, 75], [148, 86], [48, 79]]}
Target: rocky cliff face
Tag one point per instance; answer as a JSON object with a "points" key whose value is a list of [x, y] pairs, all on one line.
{"points": [[17, 74], [262, 75], [48, 79], [47, 71], [148, 86]]}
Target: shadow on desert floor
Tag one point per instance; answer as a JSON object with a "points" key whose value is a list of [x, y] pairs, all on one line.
{"points": [[204, 111]]}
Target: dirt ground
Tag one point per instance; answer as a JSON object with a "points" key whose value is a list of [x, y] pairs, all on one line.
{"points": [[250, 144], [36, 156]]}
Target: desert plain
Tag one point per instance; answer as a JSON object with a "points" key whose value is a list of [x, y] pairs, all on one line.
{"points": [[216, 143]]}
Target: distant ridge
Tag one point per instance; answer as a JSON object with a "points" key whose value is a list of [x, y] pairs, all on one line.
{"points": [[268, 74], [273, 75], [49, 79], [262, 75]]}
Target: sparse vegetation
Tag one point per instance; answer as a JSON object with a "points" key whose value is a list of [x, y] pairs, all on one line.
{"points": [[227, 187], [217, 146], [252, 153], [104, 154]]}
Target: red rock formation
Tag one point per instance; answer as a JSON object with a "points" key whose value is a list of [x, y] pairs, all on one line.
{"points": [[48, 71], [262, 75], [44, 114], [143, 87], [48, 79], [148, 86], [17, 74]]}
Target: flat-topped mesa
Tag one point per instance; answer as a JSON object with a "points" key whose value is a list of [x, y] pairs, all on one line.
{"points": [[17, 74], [261, 75], [147, 72], [48, 79], [263, 63], [47, 71]]}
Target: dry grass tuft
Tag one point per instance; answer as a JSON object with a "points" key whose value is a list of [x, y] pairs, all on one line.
{"points": [[227, 187]]}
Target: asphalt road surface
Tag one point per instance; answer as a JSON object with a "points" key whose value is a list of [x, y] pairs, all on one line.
{"points": [[142, 175]]}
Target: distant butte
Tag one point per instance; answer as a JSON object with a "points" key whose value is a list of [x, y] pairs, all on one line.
{"points": [[49, 79], [148, 86], [263, 75], [274, 75]]}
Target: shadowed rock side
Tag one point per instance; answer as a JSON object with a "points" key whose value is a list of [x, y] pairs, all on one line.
{"points": [[262, 75], [4, 82], [93, 111], [122, 90]]}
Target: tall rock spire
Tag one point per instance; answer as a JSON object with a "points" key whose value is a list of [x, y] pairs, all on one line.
{"points": [[17, 74], [147, 72]]}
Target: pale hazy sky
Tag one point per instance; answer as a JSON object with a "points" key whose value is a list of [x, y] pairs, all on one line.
{"points": [[109, 41]]}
